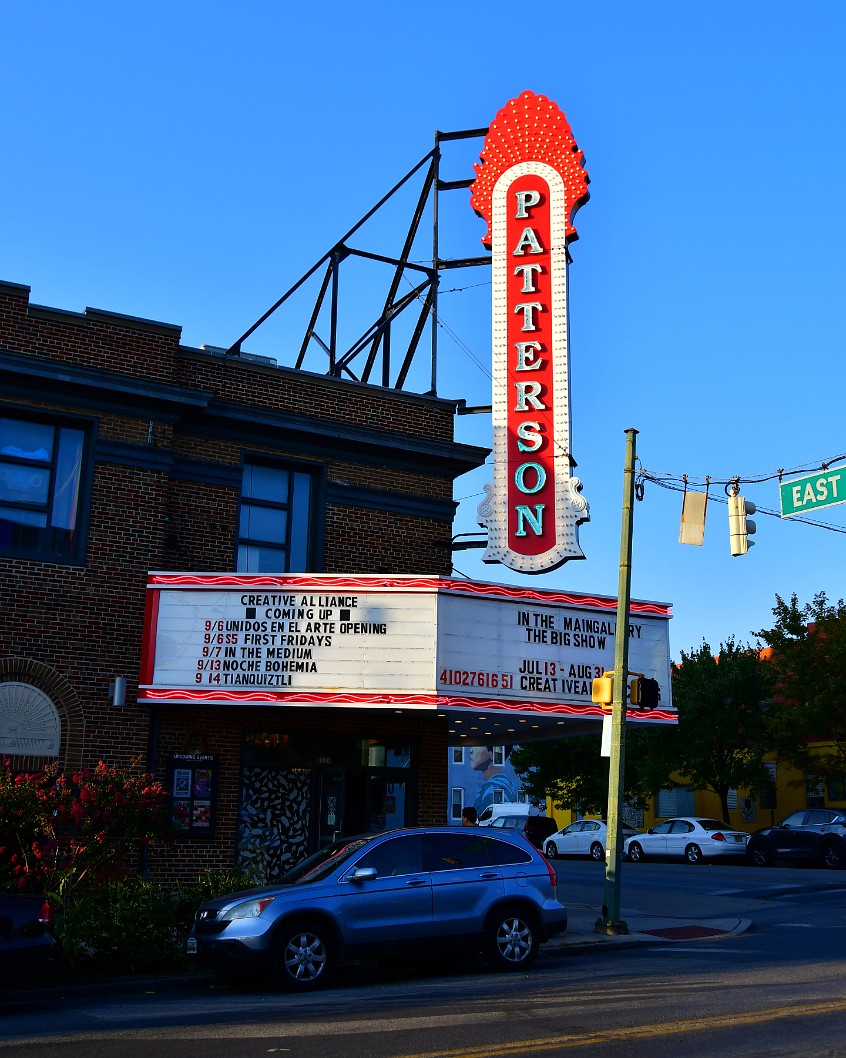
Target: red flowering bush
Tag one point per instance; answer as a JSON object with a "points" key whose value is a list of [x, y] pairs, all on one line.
{"points": [[59, 832]]}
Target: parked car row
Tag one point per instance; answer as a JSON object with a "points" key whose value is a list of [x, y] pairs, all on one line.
{"points": [[812, 835], [435, 890], [441, 889]]}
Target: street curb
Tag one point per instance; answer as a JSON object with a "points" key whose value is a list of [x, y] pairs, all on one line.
{"points": [[567, 944], [644, 931]]}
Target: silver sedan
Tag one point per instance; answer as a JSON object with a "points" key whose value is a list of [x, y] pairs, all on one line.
{"points": [[693, 839], [585, 837]]}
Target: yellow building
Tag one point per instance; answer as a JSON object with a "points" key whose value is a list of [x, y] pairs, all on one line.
{"points": [[748, 810]]}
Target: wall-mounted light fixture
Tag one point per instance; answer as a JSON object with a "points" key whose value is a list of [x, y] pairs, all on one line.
{"points": [[117, 691]]}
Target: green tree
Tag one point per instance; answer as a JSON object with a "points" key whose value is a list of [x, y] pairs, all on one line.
{"points": [[573, 773], [724, 730], [809, 701]]}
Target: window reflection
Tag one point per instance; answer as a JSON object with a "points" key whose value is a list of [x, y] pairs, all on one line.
{"points": [[41, 467], [275, 524]]}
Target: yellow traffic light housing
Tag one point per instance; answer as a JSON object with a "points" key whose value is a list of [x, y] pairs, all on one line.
{"points": [[602, 690], [741, 527]]}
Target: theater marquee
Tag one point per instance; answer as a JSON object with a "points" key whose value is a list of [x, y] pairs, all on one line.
{"points": [[404, 642], [528, 187]]}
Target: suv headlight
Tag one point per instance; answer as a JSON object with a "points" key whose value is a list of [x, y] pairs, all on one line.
{"points": [[250, 908]]}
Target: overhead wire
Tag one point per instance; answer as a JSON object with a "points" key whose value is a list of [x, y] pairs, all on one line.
{"points": [[753, 479], [666, 480]]}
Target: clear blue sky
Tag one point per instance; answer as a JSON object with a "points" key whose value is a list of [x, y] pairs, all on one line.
{"points": [[187, 161]]}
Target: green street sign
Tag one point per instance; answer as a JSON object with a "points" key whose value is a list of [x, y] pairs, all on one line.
{"points": [[813, 492]]}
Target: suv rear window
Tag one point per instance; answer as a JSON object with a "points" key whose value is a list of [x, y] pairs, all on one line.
{"points": [[820, 816]]}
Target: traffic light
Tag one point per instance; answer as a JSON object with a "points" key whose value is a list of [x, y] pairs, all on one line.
{"points": [[602, 690], [645, 693], [650, 693], [741, 527]]}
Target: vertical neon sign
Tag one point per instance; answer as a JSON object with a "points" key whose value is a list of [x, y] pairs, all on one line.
{"points": [[528, 187]]}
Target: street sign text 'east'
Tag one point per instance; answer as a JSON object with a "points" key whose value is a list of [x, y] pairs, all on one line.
{"points": [[812, 492]]}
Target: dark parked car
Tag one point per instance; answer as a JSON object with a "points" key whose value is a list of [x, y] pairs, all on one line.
{"points": [[536, 828], [432, 889], [817, 835], [28, 950]]}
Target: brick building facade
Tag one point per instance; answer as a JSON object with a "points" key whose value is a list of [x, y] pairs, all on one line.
{"points": [[121, 452]]}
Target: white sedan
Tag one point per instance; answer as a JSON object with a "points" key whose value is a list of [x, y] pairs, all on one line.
{"points": [[586, 837], [692, 839]]}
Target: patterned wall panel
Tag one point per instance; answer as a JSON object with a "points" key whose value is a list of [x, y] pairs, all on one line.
{"points": [[273, 820]]}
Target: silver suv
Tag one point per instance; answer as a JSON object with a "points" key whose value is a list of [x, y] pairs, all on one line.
{"points": [[425, 889]]}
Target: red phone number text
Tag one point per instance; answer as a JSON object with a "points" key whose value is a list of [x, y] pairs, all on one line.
{"points": [[472, 678]]}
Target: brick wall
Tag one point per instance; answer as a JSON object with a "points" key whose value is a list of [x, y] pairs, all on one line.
{"points": [[108, 341], [307, 394], [221, 734], [70, 629]]}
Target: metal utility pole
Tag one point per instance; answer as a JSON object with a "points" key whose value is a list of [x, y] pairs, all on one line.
{"points": [[610, 922]]}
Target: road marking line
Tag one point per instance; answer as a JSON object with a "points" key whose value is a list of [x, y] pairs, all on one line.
{"points": [[282, 1032], [707, 1024], [710, 951]]}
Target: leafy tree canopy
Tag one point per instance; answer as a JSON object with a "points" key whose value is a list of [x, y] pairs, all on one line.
{"points": [[719, 743], [573, 773], [723, 718], [809, 700]]}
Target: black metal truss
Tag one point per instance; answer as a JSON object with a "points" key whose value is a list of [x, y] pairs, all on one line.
{"points": [[370, 356]]}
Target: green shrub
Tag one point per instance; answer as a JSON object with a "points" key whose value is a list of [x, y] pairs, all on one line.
{"points": [[126, 926], [135, 925], [211, 883]]}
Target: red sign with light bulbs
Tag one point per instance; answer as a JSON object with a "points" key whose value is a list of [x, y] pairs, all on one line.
{"points": [[528, 187]]}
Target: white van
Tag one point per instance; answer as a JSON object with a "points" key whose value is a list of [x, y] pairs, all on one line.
{"points": [[506, 808]]}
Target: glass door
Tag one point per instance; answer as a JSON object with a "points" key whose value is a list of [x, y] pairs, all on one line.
{"points": [[331, 803], [387, 802]]}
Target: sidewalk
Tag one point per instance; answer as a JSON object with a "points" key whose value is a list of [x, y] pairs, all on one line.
{"points": [[643, 929]]}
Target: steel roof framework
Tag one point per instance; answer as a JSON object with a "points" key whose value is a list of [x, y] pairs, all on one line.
{"points": [[370, 357]]}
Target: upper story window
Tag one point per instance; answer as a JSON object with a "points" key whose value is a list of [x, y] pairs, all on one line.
{"points": [[42, 475], [276, 523]]}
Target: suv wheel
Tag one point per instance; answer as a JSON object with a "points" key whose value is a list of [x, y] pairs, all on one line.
{"points": [[832, 855], [300, 958], [511, 940], [759, 854]]}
